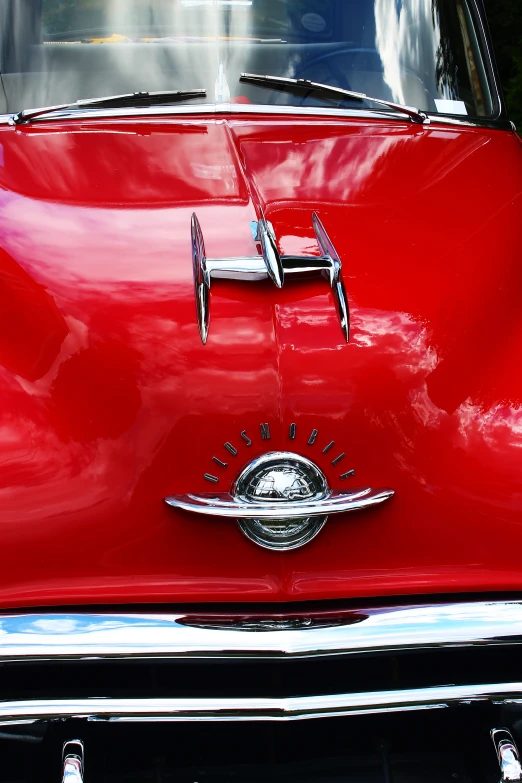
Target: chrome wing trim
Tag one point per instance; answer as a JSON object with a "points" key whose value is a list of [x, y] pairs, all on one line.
{"points": [[224, 505], [269, 265], [256, 708], [87, 635]]}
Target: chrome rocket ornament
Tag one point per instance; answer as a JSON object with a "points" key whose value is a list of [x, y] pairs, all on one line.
{"points": [[269, 265]]}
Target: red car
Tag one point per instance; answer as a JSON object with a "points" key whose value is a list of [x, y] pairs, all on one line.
{"points": [[260, 374]]}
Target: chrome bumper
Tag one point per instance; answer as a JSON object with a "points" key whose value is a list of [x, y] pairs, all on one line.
{"points": [[256, 709], [82, 636], [60, 637]]}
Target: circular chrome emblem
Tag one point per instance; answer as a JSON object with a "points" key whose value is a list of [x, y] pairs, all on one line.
{"points": [[279, 479]]}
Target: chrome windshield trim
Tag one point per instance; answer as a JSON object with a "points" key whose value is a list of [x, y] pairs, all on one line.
{"points": [[220, 109], [207, 108], [82, 636], [492, 76], [256, 708]]}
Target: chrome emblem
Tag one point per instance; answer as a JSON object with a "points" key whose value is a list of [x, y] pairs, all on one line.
{"points": [[280, 501], [279, 479]]}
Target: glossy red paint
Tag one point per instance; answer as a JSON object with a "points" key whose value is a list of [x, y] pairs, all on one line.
{"points": [[110, 401]]}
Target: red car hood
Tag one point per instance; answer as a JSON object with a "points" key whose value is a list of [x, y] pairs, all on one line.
{"points": [[110, 401]]}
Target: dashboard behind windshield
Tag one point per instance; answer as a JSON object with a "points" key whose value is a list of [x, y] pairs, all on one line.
{"points": [[422, 53]]}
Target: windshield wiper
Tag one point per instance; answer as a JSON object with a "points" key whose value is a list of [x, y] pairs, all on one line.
{"points": [[305, 87], [128, 100]]}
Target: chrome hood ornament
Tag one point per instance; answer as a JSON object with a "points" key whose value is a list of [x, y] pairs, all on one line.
{"points": [[280, 500], [270, 264]]}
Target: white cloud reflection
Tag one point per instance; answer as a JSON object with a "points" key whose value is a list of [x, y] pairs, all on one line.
{"points": [[407, 38]]}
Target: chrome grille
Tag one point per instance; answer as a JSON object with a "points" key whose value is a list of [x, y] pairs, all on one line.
{"points": [[399, 693]]}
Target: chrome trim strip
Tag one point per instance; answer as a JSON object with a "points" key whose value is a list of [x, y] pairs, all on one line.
{"points": [[249, 268], [225, 505], [492, 76], [253, 268], [262, 109], [207, 108], [85, 636], [334, 274], [257, 708], [201, 279], [271, 257]]}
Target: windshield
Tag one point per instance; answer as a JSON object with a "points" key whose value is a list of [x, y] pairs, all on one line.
{"points": [[422, 53]]}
